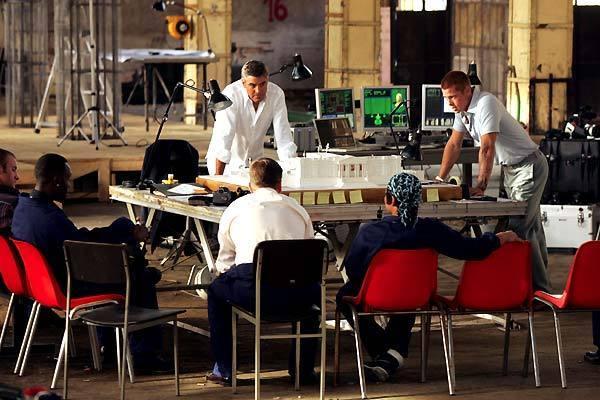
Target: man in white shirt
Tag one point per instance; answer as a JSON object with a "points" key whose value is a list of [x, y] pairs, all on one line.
{"points": [[265, 214], [239, 131], [500, 138]]}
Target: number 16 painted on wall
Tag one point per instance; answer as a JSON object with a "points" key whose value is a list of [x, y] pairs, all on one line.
{"points": [[277, 10]]}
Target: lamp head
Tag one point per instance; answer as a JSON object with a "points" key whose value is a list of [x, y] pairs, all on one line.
{"points": [[300, 71], [472, 74], [217, 101], [159, 6], [412, 151]]}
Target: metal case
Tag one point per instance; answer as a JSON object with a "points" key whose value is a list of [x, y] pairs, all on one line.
{"points": [[568, 226]]}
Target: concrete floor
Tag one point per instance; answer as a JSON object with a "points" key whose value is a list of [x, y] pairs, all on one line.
{"points": [[478, 345]]}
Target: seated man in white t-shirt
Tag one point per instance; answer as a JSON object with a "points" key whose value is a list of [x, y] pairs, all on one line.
{"points": [[265, 214]]}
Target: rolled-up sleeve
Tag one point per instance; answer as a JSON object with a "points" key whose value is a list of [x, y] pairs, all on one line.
{"points": [[286, 148]]}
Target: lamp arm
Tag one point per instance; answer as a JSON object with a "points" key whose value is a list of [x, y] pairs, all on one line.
{"points": [[281, 69], [392, 125]]}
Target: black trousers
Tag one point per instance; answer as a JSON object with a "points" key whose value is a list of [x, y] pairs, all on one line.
{"points": [[376, 339], [237, 286]]}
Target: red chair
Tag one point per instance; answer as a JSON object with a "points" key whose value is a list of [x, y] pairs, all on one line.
{"points": [[11, 270], [45, 291], [500, 283], [580, 294], [397, 282]]}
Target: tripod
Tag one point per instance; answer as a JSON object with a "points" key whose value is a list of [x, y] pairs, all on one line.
{"points": [[93, 111]]}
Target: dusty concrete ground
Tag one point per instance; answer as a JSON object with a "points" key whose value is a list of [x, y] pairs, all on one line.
{"points": [[478, 345]]}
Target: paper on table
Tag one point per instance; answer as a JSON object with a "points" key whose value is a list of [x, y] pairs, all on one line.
{"points": [[185, 189], [323, 198], [433, 195], [355, 196], [308, 198], [339, 197], [296, 196]]}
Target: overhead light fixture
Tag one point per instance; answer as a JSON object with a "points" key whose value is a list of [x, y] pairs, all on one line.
{"points": [[300, 71], [161, 6]]}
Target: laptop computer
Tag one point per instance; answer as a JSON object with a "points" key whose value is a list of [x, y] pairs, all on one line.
{"points": [[337, 133]]}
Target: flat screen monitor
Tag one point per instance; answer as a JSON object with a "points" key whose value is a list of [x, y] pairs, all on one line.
{"points": [[335, 103], [378, 103], [436, 114], [335, 132]]}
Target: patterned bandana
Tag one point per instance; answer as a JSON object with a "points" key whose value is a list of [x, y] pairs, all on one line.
{"points": [[406, 188]]}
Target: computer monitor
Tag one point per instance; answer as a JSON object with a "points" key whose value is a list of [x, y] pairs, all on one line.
{"points": [[378, 103], [335, 132], [335, 103], [436, 114]]}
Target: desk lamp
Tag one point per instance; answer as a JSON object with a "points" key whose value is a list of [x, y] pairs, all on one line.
{"points": [[217, 101], [300, 71], [412, 151], [472, 74], [161, 6]]}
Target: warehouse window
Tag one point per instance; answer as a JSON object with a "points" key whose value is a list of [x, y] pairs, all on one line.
{"points": [[420, 5]]}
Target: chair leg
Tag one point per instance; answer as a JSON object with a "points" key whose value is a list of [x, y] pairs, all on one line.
{"points": [[336, 348], [30, 340], [72, 347], [59, 361], [234, 319], [427, 341], [257, 360], [323, 353], [7, 318], [536, 367], [451, 350], [176, 354], [118, 349], [525, 370], [359, 356], [506, 344], [561, 361], [124, 362], [446, 354], [96, 358], [297, 359], [26, 337], [423, 318], [130, 369]]}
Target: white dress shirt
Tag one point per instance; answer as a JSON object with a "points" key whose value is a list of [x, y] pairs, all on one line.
{"points": [[239, 131], [258, 216]]}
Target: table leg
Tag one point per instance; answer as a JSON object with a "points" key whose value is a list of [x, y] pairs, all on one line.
{"points": [[204, 100], [208, 257], [147, 70]]}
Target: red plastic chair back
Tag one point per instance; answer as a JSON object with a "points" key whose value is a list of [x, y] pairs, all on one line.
{"points": [[11, 268], [399, 280], [41, 283], [581, 290], [501, 281]]}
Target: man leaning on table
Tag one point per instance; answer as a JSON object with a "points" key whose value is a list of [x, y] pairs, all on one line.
{"points": [[502, 139], [239, 131], [265, 214]]}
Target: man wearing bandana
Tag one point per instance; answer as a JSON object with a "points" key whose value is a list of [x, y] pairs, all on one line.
{"points": [[403, 229]]}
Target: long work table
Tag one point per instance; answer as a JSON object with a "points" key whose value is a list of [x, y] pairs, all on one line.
{"points": [[321, 215]]}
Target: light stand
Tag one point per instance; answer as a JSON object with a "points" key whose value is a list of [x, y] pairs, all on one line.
{"points": [[412, 151], [94, 110], [217, 101], [300, 71], [392, 113], [161, 6]]}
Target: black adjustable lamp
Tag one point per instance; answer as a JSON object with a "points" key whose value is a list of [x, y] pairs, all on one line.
{"points": [[217, 101], [472, 74], [412, 151], [161, 6], [300, 71]]}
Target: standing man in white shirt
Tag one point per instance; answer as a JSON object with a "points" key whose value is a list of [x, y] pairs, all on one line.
{"points": [[239, 131], [265, 214], [500, 138]]}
